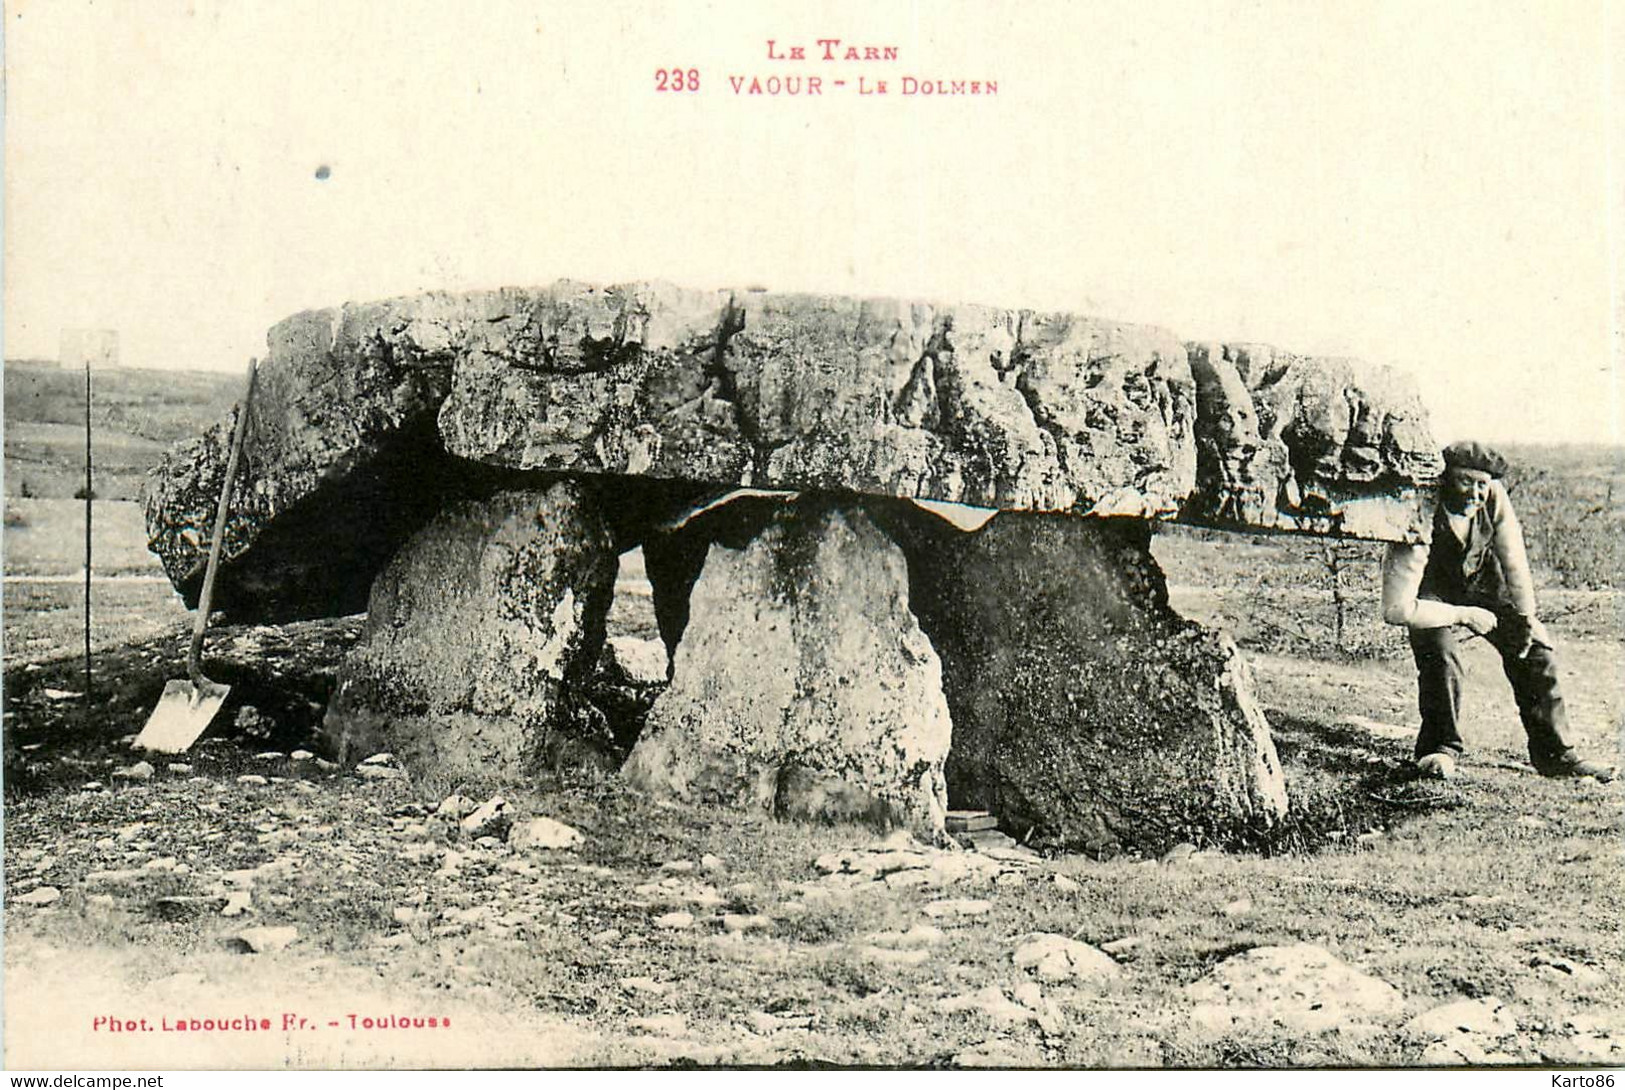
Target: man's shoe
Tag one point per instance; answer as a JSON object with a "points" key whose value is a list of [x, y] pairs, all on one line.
{"points": [[1436, 766], [1579, 769]]}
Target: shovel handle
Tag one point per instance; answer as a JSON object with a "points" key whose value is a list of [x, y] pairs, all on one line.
{"points": [[194, 657]]}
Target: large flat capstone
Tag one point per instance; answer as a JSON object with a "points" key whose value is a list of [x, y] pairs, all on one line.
{"points": [[371, 417]]}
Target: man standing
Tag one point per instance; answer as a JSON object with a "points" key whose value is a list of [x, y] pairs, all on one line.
{"points": [[1474, 581]]}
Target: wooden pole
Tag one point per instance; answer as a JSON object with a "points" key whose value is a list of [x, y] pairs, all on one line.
{"points": [[89, 493]]}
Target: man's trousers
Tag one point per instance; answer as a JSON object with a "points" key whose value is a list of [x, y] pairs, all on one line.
{"points": [[1439, 677]]}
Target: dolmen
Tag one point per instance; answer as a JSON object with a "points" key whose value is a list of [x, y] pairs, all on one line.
{"points": [[468, 468]]}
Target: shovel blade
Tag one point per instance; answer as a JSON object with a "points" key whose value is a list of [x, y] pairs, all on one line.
{"points": [[182, 715]]}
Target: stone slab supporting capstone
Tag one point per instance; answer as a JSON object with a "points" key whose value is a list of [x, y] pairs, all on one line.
{"points": [[370, 417], [479, 636], [1086, 713], [673, 558], [803, 685]]}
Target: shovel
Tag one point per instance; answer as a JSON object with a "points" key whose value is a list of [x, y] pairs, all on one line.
{"points": [[185, 709]]}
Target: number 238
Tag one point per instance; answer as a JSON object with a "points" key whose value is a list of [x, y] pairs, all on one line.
{"points": [[677, 79]]}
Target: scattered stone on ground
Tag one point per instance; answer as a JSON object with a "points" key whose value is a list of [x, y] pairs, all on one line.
{"points": [[990, 1001], [919, 935], [141, 770], [237, 903], [1462, 1050], [675, 921], [1302, 988], [954, 907], [741, 923], [266, 940], [1059, 958], [904, 864], [884, 955], [251, 780], [1566, 971], [37, 898], [643, 985], [1488, 1018], [680, 891], [456, 807], [491, 818], [1595, 1039], [543, 833], [661, 1025], [251, 722]]}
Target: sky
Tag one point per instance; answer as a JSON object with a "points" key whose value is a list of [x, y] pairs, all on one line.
{"points": [[1421, 185]]}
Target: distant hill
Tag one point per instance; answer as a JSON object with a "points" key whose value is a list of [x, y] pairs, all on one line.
{"points": [[1570, 498], [135, 416]]}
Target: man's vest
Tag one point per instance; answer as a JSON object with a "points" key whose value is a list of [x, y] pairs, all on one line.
{"points": [[1466, 573]]}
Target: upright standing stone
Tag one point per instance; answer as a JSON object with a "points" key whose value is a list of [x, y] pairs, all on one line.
{"points": [[1086, 712], [802, 684], [478, 636], [673, 558]]}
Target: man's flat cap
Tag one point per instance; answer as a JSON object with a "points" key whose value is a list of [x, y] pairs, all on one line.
{"points": [[1475, 455]]}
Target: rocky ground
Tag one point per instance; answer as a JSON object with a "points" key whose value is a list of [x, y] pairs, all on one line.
{"points": [[575, 923], [1387, 922]]}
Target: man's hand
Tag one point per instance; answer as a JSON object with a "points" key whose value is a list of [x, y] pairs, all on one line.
{"points": [[1481, 621], [1520, 631]]}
